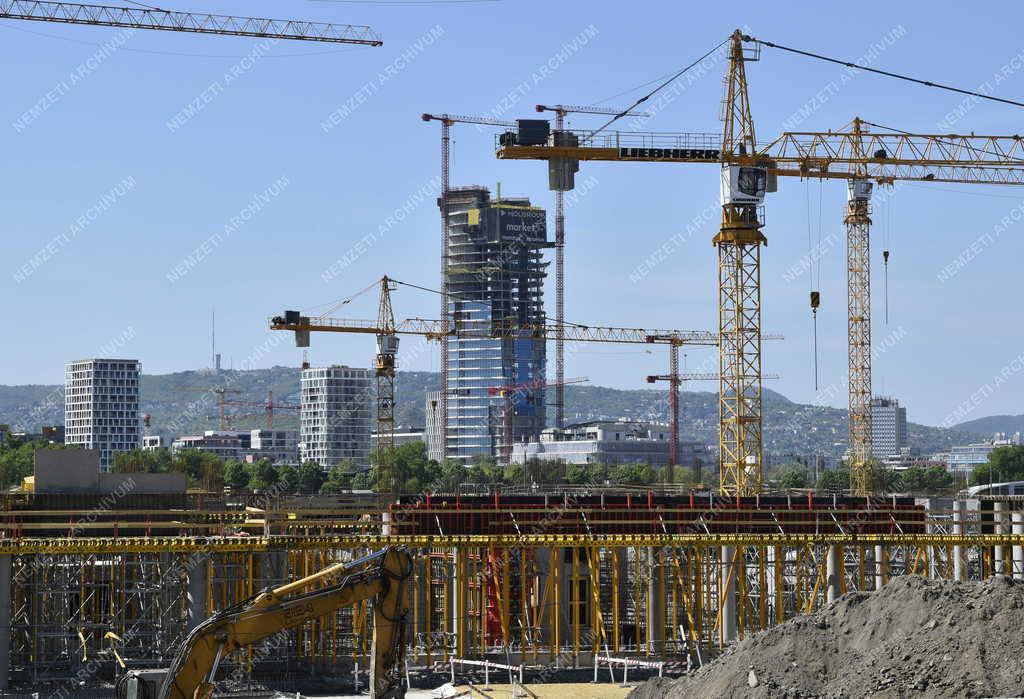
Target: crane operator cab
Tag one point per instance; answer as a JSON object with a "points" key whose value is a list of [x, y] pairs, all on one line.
{"points": [[744, 185], [859, 190]]}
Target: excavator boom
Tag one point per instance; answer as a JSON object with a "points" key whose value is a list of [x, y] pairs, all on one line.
{"points": [[380, 576]]}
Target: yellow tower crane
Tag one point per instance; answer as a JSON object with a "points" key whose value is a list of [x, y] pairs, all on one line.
{"points": [[748, 171]]}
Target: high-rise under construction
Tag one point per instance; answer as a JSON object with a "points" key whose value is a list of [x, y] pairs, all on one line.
{"points": [[496, 277]]}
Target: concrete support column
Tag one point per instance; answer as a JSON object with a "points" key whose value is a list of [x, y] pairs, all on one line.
{"points": [[727, 594], [420, 616], [933, 551], [655, 590], [999, 527], [564, 607], [833, 571], [1018, 550], [5, 620], [959, 561], [198, 564], [458, 600], [542, 562], [881, 566]]}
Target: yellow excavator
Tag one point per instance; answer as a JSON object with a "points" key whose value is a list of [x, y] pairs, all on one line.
{"points": [[380, 576]]}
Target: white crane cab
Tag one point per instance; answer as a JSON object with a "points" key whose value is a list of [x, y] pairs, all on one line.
{"points": [[744, 184]]}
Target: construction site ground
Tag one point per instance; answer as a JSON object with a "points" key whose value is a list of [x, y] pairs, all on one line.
{"points": [[914, 638]]}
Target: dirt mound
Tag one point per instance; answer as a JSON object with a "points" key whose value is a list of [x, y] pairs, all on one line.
{"points": [[914, 638]]}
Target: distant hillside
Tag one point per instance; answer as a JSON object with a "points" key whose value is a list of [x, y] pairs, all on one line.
{"points": [[988, 426], [181, 403]]}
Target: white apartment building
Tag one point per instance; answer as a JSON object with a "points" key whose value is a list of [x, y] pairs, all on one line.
{"points": [[280, 446], [609, 442], [334, 415], [226, 445], [101, 406]]}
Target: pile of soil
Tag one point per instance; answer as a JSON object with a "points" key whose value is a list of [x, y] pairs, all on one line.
{"points": [[914, 638]]}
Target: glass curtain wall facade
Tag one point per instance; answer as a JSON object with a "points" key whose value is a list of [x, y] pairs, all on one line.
{"points": [[496, 278]]}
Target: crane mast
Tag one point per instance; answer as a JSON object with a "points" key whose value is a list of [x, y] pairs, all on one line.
{"points": [[384, 368], [739, 291], [858, 294]]}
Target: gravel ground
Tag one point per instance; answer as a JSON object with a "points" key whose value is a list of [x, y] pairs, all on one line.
{"points": [[914, 638]]}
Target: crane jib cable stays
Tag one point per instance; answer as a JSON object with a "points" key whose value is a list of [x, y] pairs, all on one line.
{"points": [[887, 73]]}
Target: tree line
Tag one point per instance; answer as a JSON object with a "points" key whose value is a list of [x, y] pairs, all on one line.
{"points": [[416, 472]]}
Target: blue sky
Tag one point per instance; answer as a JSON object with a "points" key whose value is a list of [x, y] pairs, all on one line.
{"points": [[129, 214]]}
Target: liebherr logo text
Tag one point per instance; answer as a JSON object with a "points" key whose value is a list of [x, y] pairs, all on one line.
{"points": [[671, 153]]}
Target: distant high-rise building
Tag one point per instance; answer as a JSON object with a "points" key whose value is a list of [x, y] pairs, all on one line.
{"points": [[335, 415], [888, 427], [496, 278], [101, 406], [432, 410]]}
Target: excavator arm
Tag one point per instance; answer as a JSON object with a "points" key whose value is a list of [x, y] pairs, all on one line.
{"points": [[380, 577]]}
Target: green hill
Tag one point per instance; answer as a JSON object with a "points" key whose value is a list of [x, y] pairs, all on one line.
{"points": [[182, 403], [988, 426]]}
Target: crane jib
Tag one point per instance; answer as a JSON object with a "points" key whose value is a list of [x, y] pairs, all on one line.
{"points": [[670, 153]]}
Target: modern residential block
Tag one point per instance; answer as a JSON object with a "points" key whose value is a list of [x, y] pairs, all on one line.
{"points": [[101, 406], [335, 415]]}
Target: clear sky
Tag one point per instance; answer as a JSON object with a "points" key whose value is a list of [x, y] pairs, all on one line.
{"points": [[151, 176]]}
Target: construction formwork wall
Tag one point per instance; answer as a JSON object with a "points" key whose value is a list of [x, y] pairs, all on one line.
{"points": [[80, 607]]}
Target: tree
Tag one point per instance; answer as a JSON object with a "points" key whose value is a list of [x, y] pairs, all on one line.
{"points": [[236, 475], [288, 478], [142, 461], [792, 477], [340, 478], [1004, 464], [262, 475], [450, 474], [586, 474], [634, 474], [311, 477], [833, 481], [201, 467], [918, 479], [17, 459]]}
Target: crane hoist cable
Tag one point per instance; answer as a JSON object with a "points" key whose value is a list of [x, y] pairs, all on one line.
{"points": [[887, 73], [886, 244], [660, 87], [812, 252]]}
